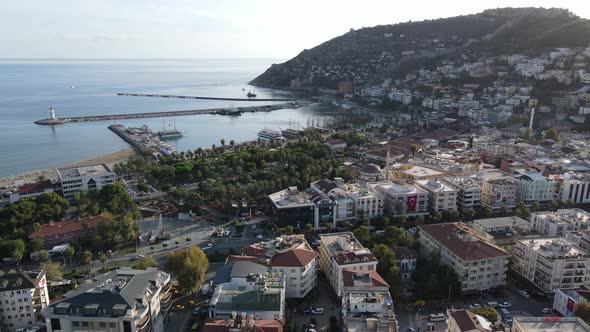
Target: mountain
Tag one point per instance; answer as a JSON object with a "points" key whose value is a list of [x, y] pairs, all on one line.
{"points": [[369, 55]]}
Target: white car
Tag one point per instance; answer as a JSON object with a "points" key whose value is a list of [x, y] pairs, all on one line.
{"points": [[317, 311], [207, 247], [226, 233], [474, 306], [523, 293], [504, 304], [259, 237], [546, 311]]}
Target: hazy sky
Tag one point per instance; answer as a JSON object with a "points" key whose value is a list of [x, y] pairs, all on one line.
{"points": [[210, 28]]}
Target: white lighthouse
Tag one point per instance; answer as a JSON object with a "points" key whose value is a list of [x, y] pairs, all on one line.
{"points": [[532, 118], [52, 114]]}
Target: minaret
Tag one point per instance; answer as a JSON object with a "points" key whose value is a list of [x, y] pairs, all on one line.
{"points": [[532, 118], [52, 114], [387, 165]]}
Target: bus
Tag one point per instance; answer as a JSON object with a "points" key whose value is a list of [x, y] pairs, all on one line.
{"points": [[506, 316], [437, 317]]}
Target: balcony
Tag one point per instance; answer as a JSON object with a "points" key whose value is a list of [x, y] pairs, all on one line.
{"points": [[144, 324]]}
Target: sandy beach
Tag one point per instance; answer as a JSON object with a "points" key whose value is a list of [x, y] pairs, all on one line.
{"points": [[50, 173]]}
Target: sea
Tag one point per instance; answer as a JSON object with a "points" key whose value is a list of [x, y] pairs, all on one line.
{"points": [[89, 87]]}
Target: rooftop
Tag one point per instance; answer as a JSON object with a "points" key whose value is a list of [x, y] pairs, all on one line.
{"points": [[43, 185], [83, 170], [554, 247], [467, 321], [260, 325], [502, 222], [345, 248], [291, 197], [463, 242], [549, 324], [433, 185], [363, 278], [12, 279], [59, 227], [418, 172]]}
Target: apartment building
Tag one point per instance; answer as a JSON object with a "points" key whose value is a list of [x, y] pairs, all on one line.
{"points": [[551, 263], [291, 207], [468, 192], [564, 300], [560, 222], [123, 300], [405, 259], [368, 202], [441, 197], [343, 252], [480, 264], [542, 324], [22, 297], [402, 198], [534, 187], [503, 231], [574, 187], [82, 179], [500, 191]]}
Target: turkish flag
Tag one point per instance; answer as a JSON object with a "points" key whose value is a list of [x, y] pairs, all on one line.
{"points": [[411, 203]]}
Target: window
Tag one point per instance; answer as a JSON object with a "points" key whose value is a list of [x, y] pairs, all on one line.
{"points": [[75, 323], [85, 324], [111, 325], [102, 324]]}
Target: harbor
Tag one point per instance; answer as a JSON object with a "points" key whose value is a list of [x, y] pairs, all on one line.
{"points": [[143, 139], [251, 97], [54, 120]]}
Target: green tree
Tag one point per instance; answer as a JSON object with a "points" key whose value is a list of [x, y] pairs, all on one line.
{"points": [[114, 199], [362, 234], [569, 202], [488, 313], [104, 259], [329, 227], [308, 228], [43, 255], [552, 134], [289, 230], [52, 270], [86, 257], [145, 262], [582, 310], [554, 205], [528, 134], [222, 141], [469, 214], [17, 250], [535, 206], [188, 266], [70, 251], [143, 187], [413, 149], [36, 245], [387, 266]]}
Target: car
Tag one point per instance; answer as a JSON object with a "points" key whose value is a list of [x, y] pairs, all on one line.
{"points": [[474, 306], [207, 247], [310, 330], [254, 227], [192, 303], [546, 311], [226, 233], [523, 293], [504, 304], [492, 304], [317, 311], [259, 237], [178, 307]]}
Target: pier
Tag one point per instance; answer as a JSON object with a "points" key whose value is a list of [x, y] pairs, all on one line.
{"points": [[235, 111], [151, 95]]}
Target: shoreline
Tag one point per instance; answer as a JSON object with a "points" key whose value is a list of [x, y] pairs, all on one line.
{"points": [[31, 176]]}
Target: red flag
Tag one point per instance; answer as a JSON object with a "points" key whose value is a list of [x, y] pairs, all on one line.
{"points": [[411, 203]]}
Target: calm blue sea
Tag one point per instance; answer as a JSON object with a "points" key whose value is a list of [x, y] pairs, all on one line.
{"points": [[28, 88]]}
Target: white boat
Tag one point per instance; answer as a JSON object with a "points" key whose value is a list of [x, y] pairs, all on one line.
{"points": [[267, 134]]}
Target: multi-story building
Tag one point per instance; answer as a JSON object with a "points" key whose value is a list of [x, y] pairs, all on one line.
{"points": [[402, 198], [241, 322], [468, 192], [500, 191], [565, 299], [341, 252], [368, 202], [82, 179], [405, 259], [298, 208], [61, 232], [574, 187], [32, 190], [561, 221], [366, 303], [251, 289], [579, 238], [479, 263], [123, 300], [289, 255], [460, 320], [22, 297], [551, 263], [542, 324], [534, 187], [344, 204], [441, 197], [504, 231]]}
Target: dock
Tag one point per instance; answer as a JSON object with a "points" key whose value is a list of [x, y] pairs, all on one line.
{"points": [[220, 111], [152, 95]]}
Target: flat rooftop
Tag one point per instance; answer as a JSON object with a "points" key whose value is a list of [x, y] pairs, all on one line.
{"points": [[549, 324], [83, 170], [555, 246], [422, 172], [290, 197], [502, 222]]}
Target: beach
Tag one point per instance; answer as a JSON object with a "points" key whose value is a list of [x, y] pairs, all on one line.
{"points": [[50, 173]]}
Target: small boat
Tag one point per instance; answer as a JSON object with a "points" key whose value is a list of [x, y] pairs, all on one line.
{"points": [[251, 94]]}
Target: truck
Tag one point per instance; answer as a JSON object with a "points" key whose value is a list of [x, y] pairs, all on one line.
{"points": [[205, 287]]}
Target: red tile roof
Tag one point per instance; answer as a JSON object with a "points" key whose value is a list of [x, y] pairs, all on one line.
{"points": [[238, 258], [261, 325], [294, 258], [35, 187], [65, 226], [376, 280], [253, 250], [465, 320], [462, 241]]}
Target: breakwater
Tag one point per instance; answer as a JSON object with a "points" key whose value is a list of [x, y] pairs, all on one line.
{"points": [[153, 95]]}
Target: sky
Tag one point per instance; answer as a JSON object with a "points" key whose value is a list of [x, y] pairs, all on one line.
{"points": [[274, 29]]}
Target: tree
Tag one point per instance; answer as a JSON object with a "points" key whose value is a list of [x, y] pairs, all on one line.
{"points": [[52, 270], [86, 257], [329, 227], [362, 234], [222, 141], [387, 266], [104, 259], [232, 142], [528, 134], [289, 230], [535, 206], [70, 251], [414, 149], [554, 205], [308, 228], [114, 199], [36, 245], [488, 313], [569, 202], [552, 134], [143, 187], [188, 266], [145, 262], [469, 214], [17, 250], [582, 310], [43, 255]]}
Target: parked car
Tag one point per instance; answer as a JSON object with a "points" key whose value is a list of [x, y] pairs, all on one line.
{"points": [[207, 247], [317, 311], [523, 293], [259, 237], [492, 304], [546, 311], [504, 304], [474, 306], [226, 233], [178, 307]]}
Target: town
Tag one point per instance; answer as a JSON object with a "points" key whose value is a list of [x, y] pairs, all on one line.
{"points": [[456, 198]]}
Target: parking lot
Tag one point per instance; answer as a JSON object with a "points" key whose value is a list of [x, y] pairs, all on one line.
{"points": [[320, 297]]}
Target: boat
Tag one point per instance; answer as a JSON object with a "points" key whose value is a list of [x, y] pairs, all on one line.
{"points": [[251, 94], [267, 134], [165, 134], [291, 133]]}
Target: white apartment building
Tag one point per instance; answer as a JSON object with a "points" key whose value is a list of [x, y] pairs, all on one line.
{"points": [[122, 300], [468, 192], [82, 179], [480, 264], [534, 187], [441, 197], [574, 187], [402, 198], [542, 324], [368, 202], [498, 192], [579, 238], [343, 252], [565, 299], [551, 263], [22, 296], [561, 221]]}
